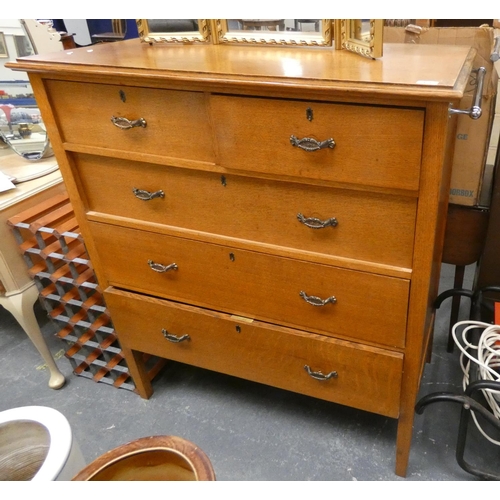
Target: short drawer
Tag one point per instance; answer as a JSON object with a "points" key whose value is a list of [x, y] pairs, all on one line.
{"points": [[373, 145], [358, 305], [176, 121], [286, 214], [360, 376]]}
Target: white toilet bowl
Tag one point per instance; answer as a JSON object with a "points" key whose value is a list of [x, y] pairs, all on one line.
{"points": [[36, 444]]}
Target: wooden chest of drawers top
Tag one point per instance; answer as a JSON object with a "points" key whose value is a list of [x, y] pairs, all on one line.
{"points": [[420, 71]]}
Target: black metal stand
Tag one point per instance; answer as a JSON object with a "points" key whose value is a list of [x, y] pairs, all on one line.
{"points": [[479, 308], [468, 404]]}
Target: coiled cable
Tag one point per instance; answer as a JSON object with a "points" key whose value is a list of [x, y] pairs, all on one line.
{"points": [[487, 360]]}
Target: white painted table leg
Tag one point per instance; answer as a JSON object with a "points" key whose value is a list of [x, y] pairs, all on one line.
{"points": [[20, 305]]}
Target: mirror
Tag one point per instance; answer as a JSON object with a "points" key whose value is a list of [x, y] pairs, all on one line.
{"points": [[363, 36], [24, 132], [173, 30], [21, 125], [308, 32]]}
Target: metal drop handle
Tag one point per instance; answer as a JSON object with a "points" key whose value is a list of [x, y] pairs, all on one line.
{"points": [[315, 223], [319, 375], [309, 144], [125, 123], [475, 110], [174, 338], [317, 301], [144, 195], [160, 268]]}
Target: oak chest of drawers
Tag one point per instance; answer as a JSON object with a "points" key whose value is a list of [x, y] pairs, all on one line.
{"points": [[281, 227]]}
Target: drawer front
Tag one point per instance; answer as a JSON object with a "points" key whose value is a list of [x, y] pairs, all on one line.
{"points": [[366, 306], [374, 146], [367, 378], [273, 212], [176, 121]]}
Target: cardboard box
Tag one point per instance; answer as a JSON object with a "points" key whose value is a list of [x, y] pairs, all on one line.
{"points": [[473, 136], [471, 154]]}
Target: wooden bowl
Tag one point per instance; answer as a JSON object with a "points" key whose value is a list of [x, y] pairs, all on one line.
{"points": [[154, 458]]}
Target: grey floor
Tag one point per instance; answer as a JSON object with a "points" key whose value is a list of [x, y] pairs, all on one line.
{"points": [[249, 431]]}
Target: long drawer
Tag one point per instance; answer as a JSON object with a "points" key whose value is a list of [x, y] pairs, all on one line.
{"points": [[177, 122], [360, 225], [360, 376], [373, 146], [301, 294]]}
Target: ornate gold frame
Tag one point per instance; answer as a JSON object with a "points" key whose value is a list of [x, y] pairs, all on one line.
{"points": [[151, 37], [223, 35], [372, 48]]}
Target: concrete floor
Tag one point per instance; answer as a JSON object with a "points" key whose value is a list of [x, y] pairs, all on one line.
{"points": [[249, 431]]}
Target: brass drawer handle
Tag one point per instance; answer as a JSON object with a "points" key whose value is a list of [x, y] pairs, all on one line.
{"points": [[316, 301], [160, 268], [309, 144], [174, 338], [315, 223], [319, 375], [125, 123], [144, 195]]}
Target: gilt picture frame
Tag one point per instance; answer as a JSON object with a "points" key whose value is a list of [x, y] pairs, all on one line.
{"points": [[273, 32], [154, 31], [362, 36]]}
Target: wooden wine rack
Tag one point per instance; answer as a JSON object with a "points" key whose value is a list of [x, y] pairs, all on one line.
{"points": [[53, 248]]}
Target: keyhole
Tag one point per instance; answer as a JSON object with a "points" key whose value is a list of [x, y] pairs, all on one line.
{"points": [[223, 180], [238, 329], [309, 114], [231, 257], [123, 97]]}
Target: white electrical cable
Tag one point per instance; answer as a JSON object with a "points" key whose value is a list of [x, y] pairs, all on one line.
{"points": [[487, 360]]}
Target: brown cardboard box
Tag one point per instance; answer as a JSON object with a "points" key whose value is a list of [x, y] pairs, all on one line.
{"points": [[473, 136], [471, 152]]}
